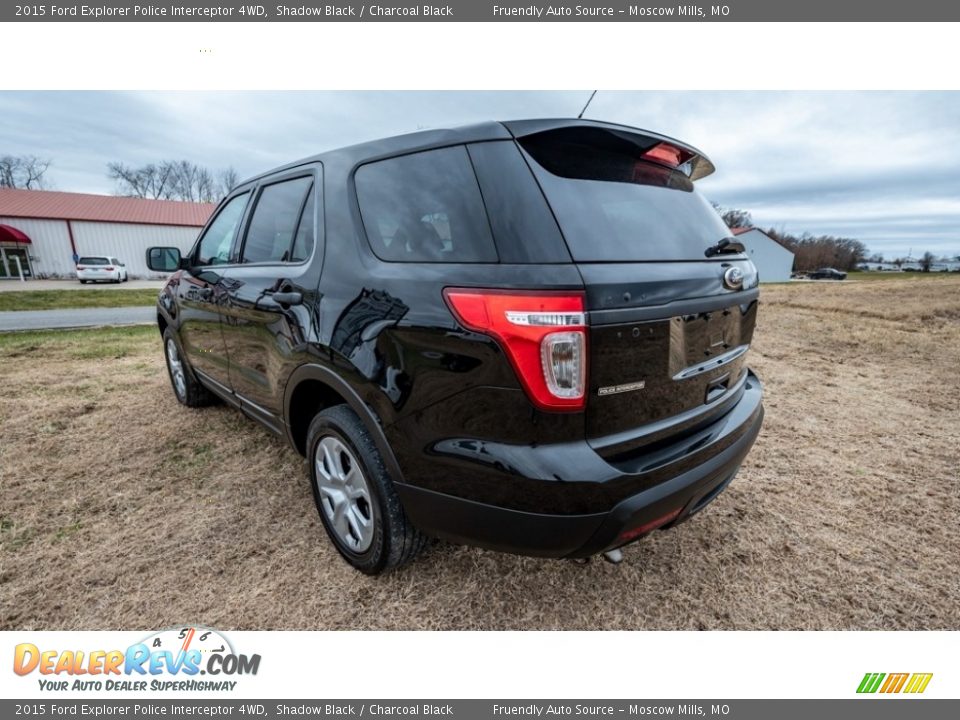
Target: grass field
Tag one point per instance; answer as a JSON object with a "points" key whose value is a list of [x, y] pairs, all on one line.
{"points": [[60, 299], [905, 276], [121, 509]]}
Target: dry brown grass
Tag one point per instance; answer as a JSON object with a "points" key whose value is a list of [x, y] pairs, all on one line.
{"points": [[121, 509]]}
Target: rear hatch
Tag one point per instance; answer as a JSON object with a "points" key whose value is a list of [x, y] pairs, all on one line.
{"points": [[668, 334]]}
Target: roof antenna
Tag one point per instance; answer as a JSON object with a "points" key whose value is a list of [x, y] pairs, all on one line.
{"points": [[580, 116]]}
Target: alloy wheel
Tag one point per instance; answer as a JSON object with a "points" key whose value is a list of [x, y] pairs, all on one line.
{"points": [[344, 494]]}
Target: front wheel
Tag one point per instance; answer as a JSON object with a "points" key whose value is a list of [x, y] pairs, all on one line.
{"points": [[186, 387], [358, 505]]}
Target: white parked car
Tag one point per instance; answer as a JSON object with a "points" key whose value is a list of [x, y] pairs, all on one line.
{"points": [[97, 268]]}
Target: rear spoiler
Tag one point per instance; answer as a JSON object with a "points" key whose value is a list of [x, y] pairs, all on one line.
{"points": [[647, 145]]}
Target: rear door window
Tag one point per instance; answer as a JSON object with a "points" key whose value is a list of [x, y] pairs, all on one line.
{"points": [[425, 207], [614, 206], [274, 225]]}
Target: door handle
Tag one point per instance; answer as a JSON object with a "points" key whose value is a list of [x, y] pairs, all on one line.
{"points": [[287, 298]]}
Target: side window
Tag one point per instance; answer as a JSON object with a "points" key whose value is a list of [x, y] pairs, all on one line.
{"points": [[274, 225], [425, 207], [215, 245]]}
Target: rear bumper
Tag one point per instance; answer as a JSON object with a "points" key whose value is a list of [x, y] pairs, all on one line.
{"points": [[699, 468], [98, 276]]}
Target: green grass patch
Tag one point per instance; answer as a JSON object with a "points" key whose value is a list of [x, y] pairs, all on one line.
{"points": [[93, 343], [68, 299]]}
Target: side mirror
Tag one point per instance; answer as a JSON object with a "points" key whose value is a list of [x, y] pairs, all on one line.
{"points": [[164, 259]]}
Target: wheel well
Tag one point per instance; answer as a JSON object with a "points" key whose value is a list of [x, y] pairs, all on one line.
{"points": [[309, 398], [162, 324]]}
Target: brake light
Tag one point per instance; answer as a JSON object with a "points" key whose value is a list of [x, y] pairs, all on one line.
{"points": [[667, 154], [81, 267], [544, 335], [108, 269]]}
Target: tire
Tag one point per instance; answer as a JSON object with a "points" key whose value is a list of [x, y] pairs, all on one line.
{"points": [[83, 282], [363, 491], [187, 388]]}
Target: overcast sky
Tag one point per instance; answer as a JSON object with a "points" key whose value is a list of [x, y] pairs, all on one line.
{"points": [[880, 167]]}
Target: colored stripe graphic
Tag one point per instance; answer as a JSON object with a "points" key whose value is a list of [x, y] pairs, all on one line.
{"points": [[870, 682], [918, 682], [895, 683]]}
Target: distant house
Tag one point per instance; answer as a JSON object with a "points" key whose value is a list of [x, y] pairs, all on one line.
{"points": [[42, 233], [773, 260], [875, 266]]}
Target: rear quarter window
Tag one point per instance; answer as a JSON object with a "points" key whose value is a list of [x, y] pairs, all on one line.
{"points": [[425, 207]]}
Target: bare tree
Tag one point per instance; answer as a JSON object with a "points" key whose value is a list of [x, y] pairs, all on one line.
{"points": [[812, 252], [733, 217], [171, 180], [227, 179], [926, 261], [23, 171], [149, 181]]}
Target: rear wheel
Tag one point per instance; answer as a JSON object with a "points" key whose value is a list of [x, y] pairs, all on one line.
{"points": [[186, 387], [358, 505], [83, 282]]}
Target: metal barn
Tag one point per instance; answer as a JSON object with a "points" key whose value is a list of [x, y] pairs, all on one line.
{"points": [[42, 233]]}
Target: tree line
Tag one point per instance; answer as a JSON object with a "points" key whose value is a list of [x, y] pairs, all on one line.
{"points": [[172, 180], [810, 252], [163, 180]]}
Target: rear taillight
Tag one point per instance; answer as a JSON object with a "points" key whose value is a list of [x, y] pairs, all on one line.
{"points": [[108, 269], [81, 267], [544, 334]]}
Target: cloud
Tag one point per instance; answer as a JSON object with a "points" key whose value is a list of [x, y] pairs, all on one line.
{"points": [[883, 167]]}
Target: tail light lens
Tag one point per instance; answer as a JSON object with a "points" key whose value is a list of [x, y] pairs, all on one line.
{"points": [[81, 267], [544, 334], [108, 269], [650, 526]]}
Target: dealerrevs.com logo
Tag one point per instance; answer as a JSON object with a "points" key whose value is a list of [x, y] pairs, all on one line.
{"points": [[180, 659]]}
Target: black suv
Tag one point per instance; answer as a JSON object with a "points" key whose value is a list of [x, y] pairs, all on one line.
{"points": [[529, 336]]}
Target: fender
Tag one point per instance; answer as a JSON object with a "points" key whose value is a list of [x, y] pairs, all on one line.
{"points": [[371, 421], [168, 308]]}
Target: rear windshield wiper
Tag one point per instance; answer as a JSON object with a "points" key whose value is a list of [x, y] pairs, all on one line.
{"points": [[726, 246]]}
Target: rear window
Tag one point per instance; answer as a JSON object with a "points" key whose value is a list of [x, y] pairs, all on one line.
{"points": [[93, 261], [425, 207], [612, 206]]}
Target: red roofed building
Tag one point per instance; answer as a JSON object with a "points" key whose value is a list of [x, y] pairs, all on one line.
{"points": [[43, 232]]}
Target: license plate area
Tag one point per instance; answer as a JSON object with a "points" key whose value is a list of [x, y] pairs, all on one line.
{"points": [[704, 341]]}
